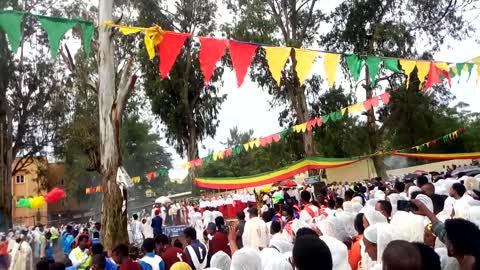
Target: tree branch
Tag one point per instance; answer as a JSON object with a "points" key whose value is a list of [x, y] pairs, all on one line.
{"points": [[127, 81], [309, 18], [278, 19]]}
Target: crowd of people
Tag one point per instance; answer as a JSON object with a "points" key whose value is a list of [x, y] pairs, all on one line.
{"points": [[430, 222]]}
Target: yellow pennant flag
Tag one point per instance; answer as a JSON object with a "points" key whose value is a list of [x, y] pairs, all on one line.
{"points": [[344, 110], [186, 165], [300, 128], [253, 144], [305, 59], [442, 66], [355, 108], [478, 73], [423, 67], [136, 179], [246, 146], [330, 62], [407, 66], [276, 58], [153, 35]]}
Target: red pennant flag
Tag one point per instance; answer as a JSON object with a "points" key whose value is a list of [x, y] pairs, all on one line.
{"points": [[263, 141], [311, 124], [367, 104], [211, 50], [168, 51], [319, 121], [150, 176], [276, 137], [242, 55], [228, 152], [435, 76], [374, 101], [385, 97]]}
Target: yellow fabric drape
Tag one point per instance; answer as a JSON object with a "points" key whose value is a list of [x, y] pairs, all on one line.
{"points": [[407, 66], [276, 58], [153, 35], [423, 68], [330, 62], [305, 59]]}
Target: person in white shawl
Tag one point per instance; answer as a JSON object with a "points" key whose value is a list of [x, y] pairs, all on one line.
{"points": [[220, 260], [255, 232], [147, 229], [246, 259], [339, 253], [376, 238], [21, 257]]}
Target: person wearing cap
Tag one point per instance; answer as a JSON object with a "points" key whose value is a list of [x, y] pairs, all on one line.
{"points": [[157, 222]]}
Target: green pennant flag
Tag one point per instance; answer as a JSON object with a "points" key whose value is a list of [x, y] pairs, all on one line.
{"points": [[354, 63], [459, 69], [55, 28], [237, 150], [162, 172], [284, 132], [445, 138], [335, 116], [452, 72], [469, 67], [207, 159], [11, 23], [87, 35], [373, 64], [391, 64], [325, 118]]}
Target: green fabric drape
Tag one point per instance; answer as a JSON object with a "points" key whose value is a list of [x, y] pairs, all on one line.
{"points": [[11, 23], [354, 63], [391, 64], [56, 29], [373, 64]]}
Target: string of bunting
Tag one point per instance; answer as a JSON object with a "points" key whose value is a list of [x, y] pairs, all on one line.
{"points": [[55, 27], [445, 138], [91, 190], [170, 44], [366, 105]]}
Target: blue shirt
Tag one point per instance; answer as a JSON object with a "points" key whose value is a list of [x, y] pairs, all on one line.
{"points": [[157, 225], [67, 241], [149, 258], [110, 265]]}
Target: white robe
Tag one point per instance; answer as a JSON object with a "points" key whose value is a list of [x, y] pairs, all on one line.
{"points": [[255, 234], [147, 229], [21, 257]]}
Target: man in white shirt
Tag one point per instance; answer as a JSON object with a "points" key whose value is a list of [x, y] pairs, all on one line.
{"points": [[462, 199], [309, 211], [137, 228], [255, 234]]}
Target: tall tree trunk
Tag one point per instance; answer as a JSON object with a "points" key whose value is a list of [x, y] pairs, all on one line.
{"points": [[111, 104], [372, 130], [5, 142]]}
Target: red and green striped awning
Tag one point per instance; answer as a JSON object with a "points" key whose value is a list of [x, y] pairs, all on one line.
{"points": [[311, 163]]}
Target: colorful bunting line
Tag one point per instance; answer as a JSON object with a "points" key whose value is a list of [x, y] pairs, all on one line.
{"points": [[242, 54], [55, 27], [445, 138], [300, 128], [91, 190]]}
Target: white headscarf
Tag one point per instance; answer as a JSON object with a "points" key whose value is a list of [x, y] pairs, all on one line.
{"points": [[339, 253], [334, 227], [348, 207], [279, 264], [246, 259], [356, 207], [268, 255], [374, 217], [221, 260], [357, 199], [282, 246], [408, 226], [348, 221]]}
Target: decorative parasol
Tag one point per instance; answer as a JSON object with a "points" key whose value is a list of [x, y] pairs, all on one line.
{"points": [[163, 200]]}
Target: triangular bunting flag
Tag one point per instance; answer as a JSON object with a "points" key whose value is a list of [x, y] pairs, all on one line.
{"points": [[330, 62], [168, 50], [136, 179], [469, 68], [335, 116], [87, 34], [453, 71], [276, 58], [228, 152], [300, 128], [151, 175], [311, 124], [356, 108], [241, 55], [305, 59], [254, 144], [433, 77], [207, 159], [237, 150], [374, 101], [276, 137], [354, 63], [442, 65], [373, 64], [11, 23], [284, 132], [211, 51], [423, 67], [407, 66], [385, 97], [319, 121], [325, 118], [459, 67], [391, 64], [344, 110], [478, 73], [55, 28], [367, 104]]}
